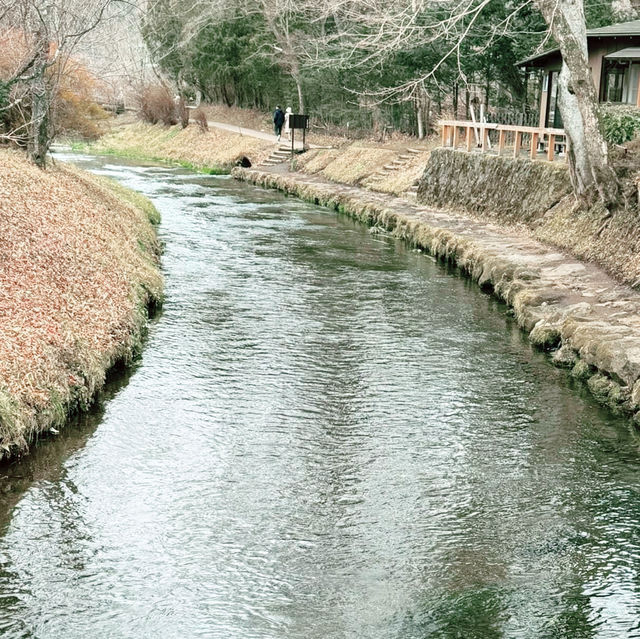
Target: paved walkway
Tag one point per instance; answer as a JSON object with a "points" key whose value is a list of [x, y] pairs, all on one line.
{"points": [[262, 135]]}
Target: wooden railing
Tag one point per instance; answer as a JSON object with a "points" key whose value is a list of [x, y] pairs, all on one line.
{"points": [[475, 135]]}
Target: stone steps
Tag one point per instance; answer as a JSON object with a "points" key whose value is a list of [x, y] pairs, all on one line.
{"points": [[399, 162], [278, 156]]}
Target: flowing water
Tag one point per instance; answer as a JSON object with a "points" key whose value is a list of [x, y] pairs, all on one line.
{"points": [[328, 436]]}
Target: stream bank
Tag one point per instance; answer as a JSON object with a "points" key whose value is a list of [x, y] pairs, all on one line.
{"points": [[79, 273], [214, 151], [581, 315]]}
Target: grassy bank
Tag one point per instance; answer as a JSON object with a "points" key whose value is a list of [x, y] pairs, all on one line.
{"points": [[218, 151], [78, 271], [362, 164], [213, 151]]}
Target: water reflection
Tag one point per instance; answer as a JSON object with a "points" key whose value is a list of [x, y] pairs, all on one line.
{"points": [[328, 436]]}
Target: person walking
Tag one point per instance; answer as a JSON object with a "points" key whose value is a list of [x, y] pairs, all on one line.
{"points": [[278, 121], [287, 128]]}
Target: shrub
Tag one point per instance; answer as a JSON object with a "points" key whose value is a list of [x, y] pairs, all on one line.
{"points": [[201, 120], [74, 108], [78, 116], [72, 90], [183, 112], [157, 105], [619, 122]]}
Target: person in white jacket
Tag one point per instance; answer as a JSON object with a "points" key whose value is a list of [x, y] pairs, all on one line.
{"points": [[286, 131]]}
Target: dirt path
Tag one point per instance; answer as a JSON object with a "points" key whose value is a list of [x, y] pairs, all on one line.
{"points": [[590, 321]]}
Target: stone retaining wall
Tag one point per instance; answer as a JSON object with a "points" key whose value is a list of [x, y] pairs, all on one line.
{"points": [[499, 187]]}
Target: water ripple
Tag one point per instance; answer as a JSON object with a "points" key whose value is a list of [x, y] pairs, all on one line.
{"points": [[329, 436]]}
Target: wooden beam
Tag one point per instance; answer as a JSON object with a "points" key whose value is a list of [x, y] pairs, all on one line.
{"points": [[517, 144], [534, 146], [469, 139], [444, 135], [485, 137], [501, 138], [551, 148], [456, 131]]}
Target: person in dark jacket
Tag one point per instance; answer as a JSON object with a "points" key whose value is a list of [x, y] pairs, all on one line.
{"points": [[278, 121]]}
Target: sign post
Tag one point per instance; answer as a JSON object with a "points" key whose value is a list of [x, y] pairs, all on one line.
{"points": [[298, 121]]}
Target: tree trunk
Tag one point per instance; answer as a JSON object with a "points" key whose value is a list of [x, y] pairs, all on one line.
{"points": [[419, 116], [300, 98], [487, 87], [427, 116], [579, 102], [455, 101], [295, 74], [225, 95], [38, 131]]}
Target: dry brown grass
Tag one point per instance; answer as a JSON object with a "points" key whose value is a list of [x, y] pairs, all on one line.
{"points": [[248, 118], [262, 121], [78, 268], [214, 149], [358, 162], [614, 246], [397, 182], [348, 165]]}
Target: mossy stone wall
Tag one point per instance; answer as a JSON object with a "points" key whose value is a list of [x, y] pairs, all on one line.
{"points": [[500, 187]]}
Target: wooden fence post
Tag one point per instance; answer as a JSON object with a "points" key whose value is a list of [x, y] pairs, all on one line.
{"points": [[501, 137], [551, 148], [534, 146], [517, 143]]}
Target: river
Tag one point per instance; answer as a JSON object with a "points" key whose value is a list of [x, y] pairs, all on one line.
{"points": [[328, 436]]}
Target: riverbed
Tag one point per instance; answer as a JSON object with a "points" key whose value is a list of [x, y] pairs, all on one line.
{"points": [[329, 435]]}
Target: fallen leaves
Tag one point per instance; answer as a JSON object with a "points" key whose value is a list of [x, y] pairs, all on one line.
{"points": [[75, 260]]}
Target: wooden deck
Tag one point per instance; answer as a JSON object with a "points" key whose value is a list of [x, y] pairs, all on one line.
{"points": [[541, 143]]}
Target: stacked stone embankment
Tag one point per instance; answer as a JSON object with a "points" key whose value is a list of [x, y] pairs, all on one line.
{"points": [[490, 186], [586, 319]]}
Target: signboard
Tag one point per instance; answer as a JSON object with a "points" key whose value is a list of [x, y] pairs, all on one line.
{"points": [[297, 121]]}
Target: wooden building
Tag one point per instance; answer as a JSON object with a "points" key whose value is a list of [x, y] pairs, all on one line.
{"points": [[614, 59]]}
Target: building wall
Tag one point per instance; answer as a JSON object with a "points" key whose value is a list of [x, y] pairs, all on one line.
{"points": [[598, 49]]}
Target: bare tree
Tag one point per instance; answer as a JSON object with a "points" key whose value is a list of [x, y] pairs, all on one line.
{"points": [[369, 32], [579, 101], [286, 25], [49, 32], [281, 17]]}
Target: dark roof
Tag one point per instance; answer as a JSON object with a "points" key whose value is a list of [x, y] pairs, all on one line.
{"points": [[630, 53], [631, 28], [621, 29], [538, 57]]}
